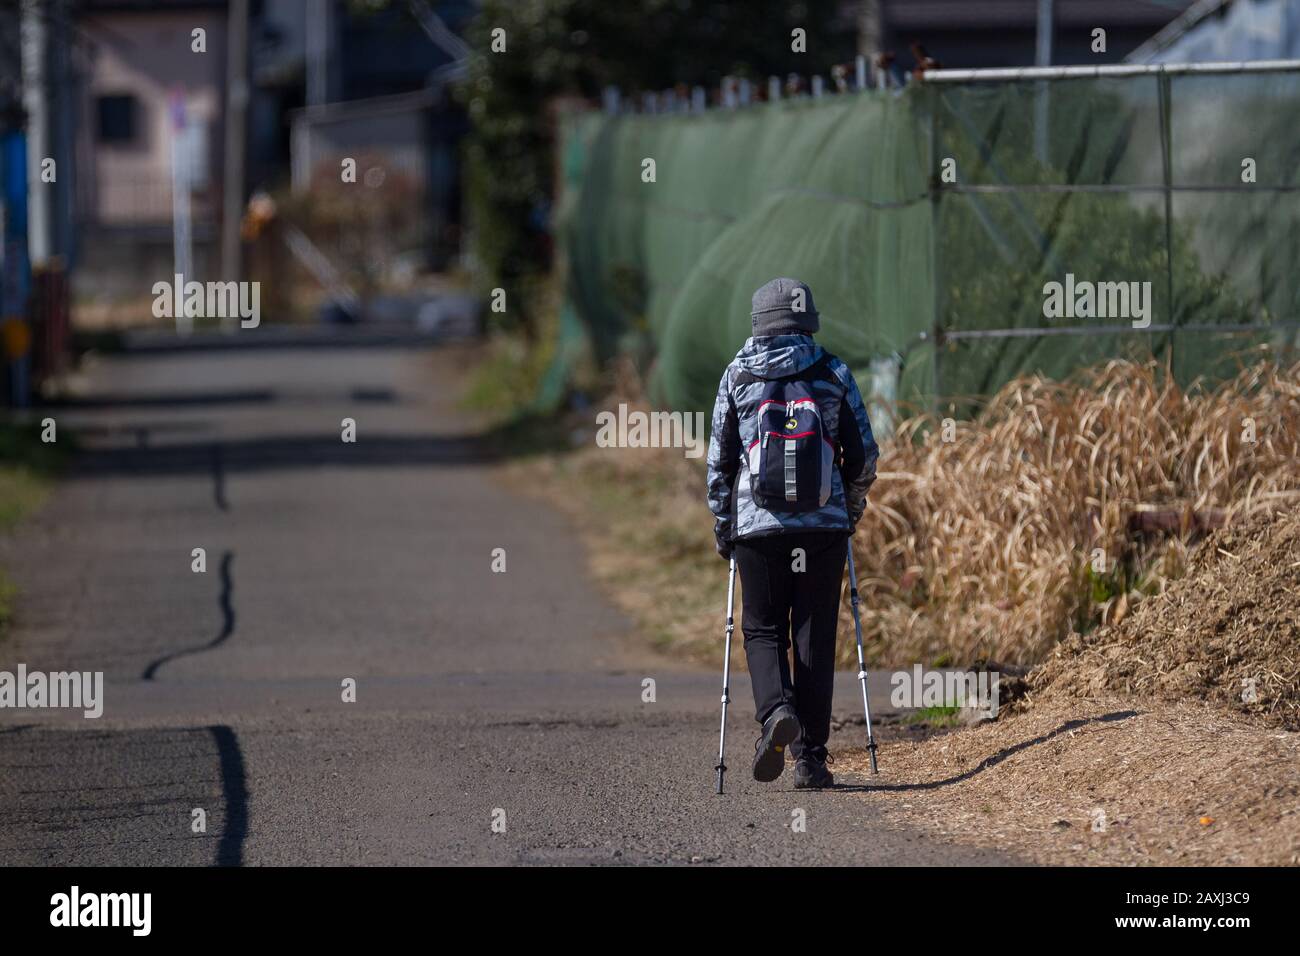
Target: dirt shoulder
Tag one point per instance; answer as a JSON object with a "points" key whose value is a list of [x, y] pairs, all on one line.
{"points": [[1105, 781]]}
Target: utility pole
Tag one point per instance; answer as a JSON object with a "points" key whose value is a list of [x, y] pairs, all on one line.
{"points": [[870, 28], [232, 189], [1046, 17], [318, 37], [1043, 57], [36, 103], [63, 132], [16, 338], [182, 179]]}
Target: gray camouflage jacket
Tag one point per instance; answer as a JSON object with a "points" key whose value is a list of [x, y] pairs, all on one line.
{"points": [[735, 422]]}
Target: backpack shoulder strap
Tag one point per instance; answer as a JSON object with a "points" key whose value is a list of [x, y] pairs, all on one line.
{"points": [[821, 369]]}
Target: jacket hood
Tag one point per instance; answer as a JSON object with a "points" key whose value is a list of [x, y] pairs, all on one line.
{"points": [[775, 356]]}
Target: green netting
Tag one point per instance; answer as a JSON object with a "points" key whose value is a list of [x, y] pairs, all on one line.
{"points": [[1134, 179], [741, 197]]}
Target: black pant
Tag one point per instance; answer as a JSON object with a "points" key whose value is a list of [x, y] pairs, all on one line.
{"points": [[777, 596]]}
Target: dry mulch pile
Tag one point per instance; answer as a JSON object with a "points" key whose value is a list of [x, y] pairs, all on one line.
{"points": [[1098, 782], [1134, 744], [1232, 623]]}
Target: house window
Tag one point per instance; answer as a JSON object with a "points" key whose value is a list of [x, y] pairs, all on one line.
{"points": [[117, 118]]}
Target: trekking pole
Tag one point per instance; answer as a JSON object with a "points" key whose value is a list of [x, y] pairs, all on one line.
{"points": [[726, 673], [862, 667]]}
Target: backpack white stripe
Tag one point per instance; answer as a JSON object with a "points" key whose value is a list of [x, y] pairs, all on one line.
{"points": [[791, 475]]}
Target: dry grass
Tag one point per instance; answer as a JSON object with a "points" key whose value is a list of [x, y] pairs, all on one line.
{"points": [[982, 546], [27, 466], [976, 548]]}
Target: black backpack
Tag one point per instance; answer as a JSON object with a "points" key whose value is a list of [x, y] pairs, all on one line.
{"points": [[791, 460]]}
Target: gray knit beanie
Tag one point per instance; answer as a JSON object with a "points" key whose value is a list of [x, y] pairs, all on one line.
{"points": [[784, 306]]}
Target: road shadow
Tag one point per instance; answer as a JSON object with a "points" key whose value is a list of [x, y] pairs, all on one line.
{"points": [[234, 792], [162, 448], [992, 760], [270, 337], [219, 479], [287, 453], [227, 622], [98, 401], [123, 797], [124, 401]]}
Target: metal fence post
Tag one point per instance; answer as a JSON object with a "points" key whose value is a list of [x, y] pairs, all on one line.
{"points": [[1166, 165], [936, 284]]}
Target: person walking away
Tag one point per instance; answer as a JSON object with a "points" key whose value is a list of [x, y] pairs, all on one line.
{"points": [[791, 459]]}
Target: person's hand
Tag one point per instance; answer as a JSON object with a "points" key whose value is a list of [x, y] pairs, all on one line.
{"points": [[724, 546]]}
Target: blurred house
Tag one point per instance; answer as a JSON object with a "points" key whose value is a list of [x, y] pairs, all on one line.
{"points": [[1227, 31], [377, 91], [147, 98], [326, 78], [1000, 33]]}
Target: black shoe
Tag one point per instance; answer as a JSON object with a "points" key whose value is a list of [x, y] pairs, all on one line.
{"points": [[810, 771], [779, 731]]}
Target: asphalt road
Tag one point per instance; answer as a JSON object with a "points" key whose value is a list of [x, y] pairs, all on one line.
{"points": [[481, 697]]}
